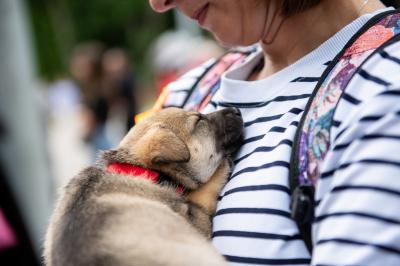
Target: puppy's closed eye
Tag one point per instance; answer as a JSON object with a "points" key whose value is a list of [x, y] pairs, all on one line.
{"points": [[200, 122]]}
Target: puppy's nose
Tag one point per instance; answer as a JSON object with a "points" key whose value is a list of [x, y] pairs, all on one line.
{"points": [[162, 5], [235, 111]]}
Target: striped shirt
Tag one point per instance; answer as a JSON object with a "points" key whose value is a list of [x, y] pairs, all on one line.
{"points": [[357, 221]]}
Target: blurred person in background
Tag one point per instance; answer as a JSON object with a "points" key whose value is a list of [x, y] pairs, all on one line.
{"points": [[71, 154], [176, 52], [119, 90], [86, 70]]}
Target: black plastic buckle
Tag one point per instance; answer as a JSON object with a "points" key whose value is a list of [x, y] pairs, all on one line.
{"points": [[303, 204]]}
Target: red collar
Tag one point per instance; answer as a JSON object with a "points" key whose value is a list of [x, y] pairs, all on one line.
{"points": [[137, 171]]}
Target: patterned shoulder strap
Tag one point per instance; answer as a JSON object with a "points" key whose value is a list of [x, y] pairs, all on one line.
{"points": [[204, 87], [313, 135], [208, 84]]}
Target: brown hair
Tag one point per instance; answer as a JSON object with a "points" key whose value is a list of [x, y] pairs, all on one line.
{"points": [[291, 7]]}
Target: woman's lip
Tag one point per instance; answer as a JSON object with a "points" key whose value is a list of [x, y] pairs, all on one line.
{"points": [[200, 14]]}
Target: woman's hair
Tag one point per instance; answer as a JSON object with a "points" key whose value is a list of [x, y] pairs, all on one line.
{"points": [[291, 7], [394, 3]]}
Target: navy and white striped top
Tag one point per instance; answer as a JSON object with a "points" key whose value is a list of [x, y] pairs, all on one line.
{"points": [[357, 216]]}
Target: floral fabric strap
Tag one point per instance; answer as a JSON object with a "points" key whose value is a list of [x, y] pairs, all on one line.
{"points": [[312, 140], [209, 84]]}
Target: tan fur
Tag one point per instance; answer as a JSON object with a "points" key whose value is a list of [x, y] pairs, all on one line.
{"points": [[111, 219], [205, 195]]}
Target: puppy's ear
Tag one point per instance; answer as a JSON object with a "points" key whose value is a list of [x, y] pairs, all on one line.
{"points": [[157, 145], [166, 147]]}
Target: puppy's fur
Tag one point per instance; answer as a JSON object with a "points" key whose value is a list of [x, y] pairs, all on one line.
{"points": [[112, 219]]}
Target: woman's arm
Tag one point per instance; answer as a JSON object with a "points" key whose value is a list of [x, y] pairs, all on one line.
{"points": [[357, 217]]}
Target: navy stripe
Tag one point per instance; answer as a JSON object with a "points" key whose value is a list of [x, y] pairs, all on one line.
{"points": [[391, 93], [262, 104], [277, 129], [369, 188], [263, 119], [327, 174], [247, 260], [264, 149], [327, 63], [336, 123], [340, 133], [229, 233], [253, 211], [372, 78], [273, 129], [357, 214], [271, 118], [359, 243], [368, 161], [371, 118], [317, 202], [283, 129], [366, 137], [350, 99], [264, 166], [306, 79], [296, 111], [256, 188], [214, 104], [389, 57], [252, 139]]}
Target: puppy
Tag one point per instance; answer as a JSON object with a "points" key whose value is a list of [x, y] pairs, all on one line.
{"points": [[152, 200]]}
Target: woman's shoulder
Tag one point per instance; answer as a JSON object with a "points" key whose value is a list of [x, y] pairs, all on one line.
{"points": [[374, 81]]}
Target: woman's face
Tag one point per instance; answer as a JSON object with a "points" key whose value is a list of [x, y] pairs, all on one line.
{"points": [[232, 22]]}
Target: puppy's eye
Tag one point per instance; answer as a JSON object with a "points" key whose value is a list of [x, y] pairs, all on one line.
{"points": [[201, 118], [199, 121]]}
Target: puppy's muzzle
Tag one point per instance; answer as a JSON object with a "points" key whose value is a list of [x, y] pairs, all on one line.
{"points": [[228, 126]]}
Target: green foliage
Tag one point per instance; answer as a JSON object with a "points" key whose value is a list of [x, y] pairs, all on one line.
{"points": [[47, 52], [59, 25]]}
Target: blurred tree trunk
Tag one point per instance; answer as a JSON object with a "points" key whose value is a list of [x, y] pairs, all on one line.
{"points": [[22, 149]]}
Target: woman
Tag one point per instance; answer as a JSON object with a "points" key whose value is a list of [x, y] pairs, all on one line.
{"points": [[271, 85]]}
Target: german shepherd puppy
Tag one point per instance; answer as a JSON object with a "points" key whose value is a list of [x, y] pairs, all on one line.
{"points": [[112, 218]]}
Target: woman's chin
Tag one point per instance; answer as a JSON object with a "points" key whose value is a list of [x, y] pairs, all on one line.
{"points": [[231, 43]]}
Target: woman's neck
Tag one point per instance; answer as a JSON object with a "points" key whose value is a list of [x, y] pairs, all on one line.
{"points": [[300, 34]]}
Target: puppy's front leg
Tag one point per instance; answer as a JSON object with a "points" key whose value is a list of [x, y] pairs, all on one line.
{"points": [[204, 199]]}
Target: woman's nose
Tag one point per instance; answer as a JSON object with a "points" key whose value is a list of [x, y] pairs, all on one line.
{"points": [[162, 5]]}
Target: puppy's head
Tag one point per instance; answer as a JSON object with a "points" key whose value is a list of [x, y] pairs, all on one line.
{"points": [[187, 146]]}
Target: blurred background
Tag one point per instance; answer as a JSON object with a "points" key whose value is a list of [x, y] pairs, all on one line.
{"points": [[73, 74]]}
